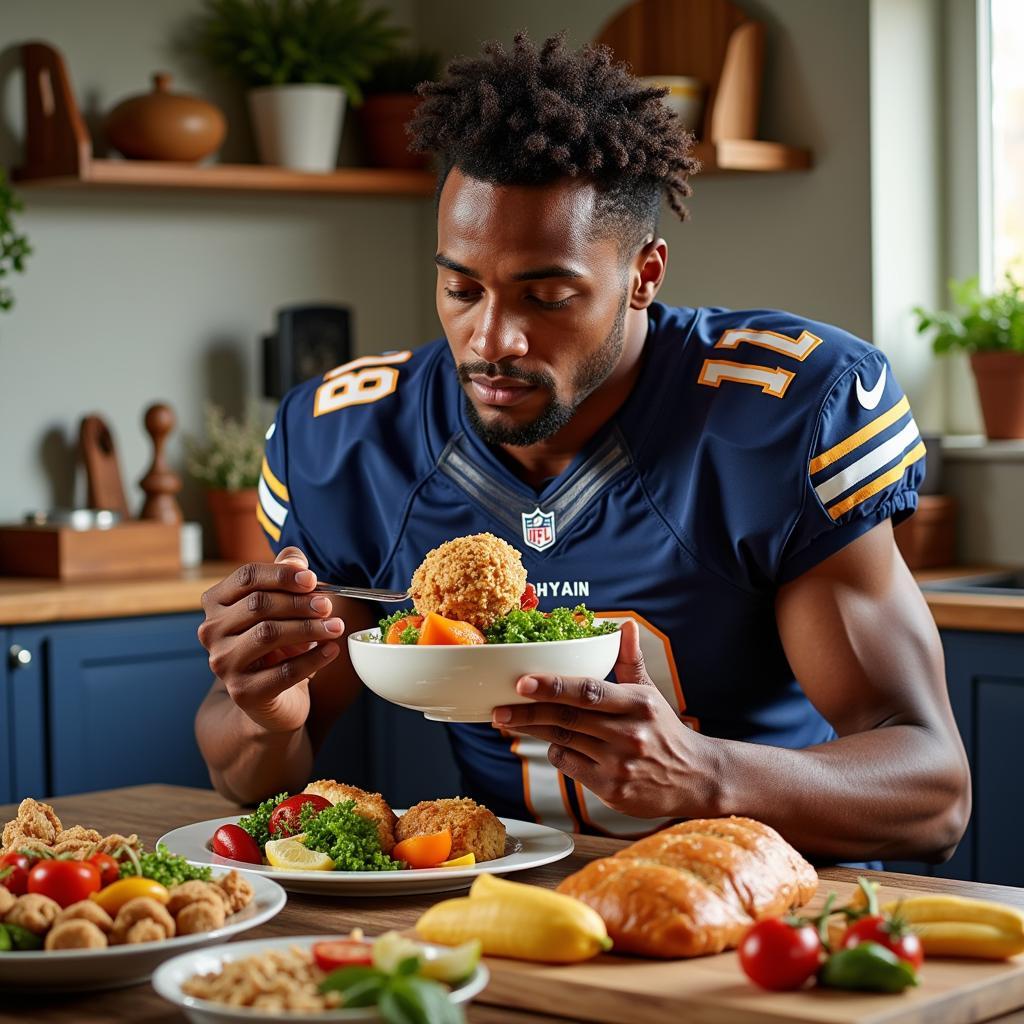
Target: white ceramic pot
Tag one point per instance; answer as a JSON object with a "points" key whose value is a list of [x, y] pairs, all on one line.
{"points": [[298, 126]]}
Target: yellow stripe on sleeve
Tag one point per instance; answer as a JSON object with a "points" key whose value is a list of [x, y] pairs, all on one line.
{"points": [[876, 426], [267, 524], [273, 483], [879, 483]]}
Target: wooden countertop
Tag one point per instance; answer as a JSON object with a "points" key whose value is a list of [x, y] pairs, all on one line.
{"points": [[27, 600], [152, 810]]}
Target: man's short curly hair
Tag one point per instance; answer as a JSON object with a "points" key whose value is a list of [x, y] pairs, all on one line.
{"points": [[533, 116]]}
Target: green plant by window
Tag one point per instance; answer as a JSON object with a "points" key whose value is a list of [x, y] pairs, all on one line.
{"points": [[283, 42], [980, 323], [231, 457], [14, 248], [403, 71]]}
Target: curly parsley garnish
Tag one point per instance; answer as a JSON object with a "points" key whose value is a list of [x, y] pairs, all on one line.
{"points": [[519, 627], [257, 824], [164, 867], [349, 839]]}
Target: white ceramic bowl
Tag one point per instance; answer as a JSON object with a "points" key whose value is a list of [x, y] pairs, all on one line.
{"points": [[464, 683], [174, 973]]}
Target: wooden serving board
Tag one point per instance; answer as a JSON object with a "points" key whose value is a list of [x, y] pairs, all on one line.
{"points": [[714, 990]]}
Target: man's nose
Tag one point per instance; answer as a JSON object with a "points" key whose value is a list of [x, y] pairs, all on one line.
{"points": [[497, 335]]}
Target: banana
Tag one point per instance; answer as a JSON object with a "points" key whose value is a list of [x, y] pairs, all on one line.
{"points": [[960, 926], [922, 909]]}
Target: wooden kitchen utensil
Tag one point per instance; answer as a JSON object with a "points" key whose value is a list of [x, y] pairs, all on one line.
{"points": [[161, 483], [101, 466]]}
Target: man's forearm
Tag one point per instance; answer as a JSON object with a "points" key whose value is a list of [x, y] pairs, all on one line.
{"points": [[893, 792], [247, 763]]}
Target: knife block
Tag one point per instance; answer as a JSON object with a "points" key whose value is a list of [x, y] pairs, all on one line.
{"points": [[128, 550]]}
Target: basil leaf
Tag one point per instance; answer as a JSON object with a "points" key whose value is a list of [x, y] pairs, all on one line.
{"points": [[416, 1000], [343, 978], [407, 966]]}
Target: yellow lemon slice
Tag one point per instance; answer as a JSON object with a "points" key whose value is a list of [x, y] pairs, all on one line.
{"points": [[293, 856], [465, 861]]}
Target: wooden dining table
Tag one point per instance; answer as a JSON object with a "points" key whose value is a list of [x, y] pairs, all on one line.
{"points": [[153, 810]]}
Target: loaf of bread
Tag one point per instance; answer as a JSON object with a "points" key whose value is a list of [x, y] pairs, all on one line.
{"points": [[694, 888]]}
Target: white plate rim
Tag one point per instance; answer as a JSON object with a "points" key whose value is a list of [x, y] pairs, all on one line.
{"points": [[230, 951], [564, 846]]}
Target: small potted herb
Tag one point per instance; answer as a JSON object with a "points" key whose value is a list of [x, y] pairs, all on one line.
{"points": [[990, 328], [229, 463], [390, 103], [301, 61], [14, 247]]}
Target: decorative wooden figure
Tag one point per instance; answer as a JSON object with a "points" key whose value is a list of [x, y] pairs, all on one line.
{"points": [[161, 483]]}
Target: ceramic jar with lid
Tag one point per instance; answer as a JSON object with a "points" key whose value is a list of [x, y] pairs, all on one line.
{"points": [[162, 125]]}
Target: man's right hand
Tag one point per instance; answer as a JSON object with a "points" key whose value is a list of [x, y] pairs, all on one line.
{"points": [[267, 634]]}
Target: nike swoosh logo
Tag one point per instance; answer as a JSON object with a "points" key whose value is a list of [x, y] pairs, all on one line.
{"points": [[870, 399]]}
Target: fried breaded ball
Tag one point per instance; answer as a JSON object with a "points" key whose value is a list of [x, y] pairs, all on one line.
{"points": [[7, 899], [113, 843], [237, 890], [474, 579], [75, 934], [200, 916], [474, 828], [134, 913], [34, 912], [77, 842], [35, 820], [369, 805], [196, 891], [86, 910], [29, 845]]}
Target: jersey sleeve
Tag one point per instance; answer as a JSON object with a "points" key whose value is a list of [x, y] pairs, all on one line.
{"points": [[865, 465]]}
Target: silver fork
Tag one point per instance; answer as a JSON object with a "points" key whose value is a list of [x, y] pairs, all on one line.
{"points": [[362, 593]]}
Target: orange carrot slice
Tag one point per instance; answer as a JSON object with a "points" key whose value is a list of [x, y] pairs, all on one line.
{"points": [[437, 629]]}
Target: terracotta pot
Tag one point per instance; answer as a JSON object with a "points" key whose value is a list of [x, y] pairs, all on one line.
{"points": [[1000, 377], [240, 538], [383, 119], [162, 125]]}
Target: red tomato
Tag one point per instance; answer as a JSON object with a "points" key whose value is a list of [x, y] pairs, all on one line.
{"points": [[342, 953], [66, 881], [780, 956], [529, 600], [893, 935], [236, 844], [14, 869], [284, 821], [107, 866]]}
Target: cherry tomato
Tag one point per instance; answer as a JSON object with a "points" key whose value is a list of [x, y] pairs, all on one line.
{"points": [[342, 953], [529, 600], [14, 869], [236, 844], [778, 955], [107, 866], [892, 934], [66, 881], [284, 821]]}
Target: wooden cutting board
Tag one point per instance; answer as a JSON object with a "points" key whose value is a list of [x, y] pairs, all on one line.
{"points": [[714, 990]]}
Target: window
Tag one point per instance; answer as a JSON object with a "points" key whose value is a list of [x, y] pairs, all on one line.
{"points": [[1007, 42]]}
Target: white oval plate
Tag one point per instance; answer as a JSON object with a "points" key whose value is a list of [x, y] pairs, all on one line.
{"points": [[81, 970], [527, 845], [174, 973]]}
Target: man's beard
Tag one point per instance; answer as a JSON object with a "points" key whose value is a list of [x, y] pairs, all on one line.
{"points": [[558, 413]]}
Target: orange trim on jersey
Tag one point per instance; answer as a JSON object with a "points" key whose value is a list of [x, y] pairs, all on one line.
{"points": [[855, 440], [723, 341], [273, 483], [636, 617], [750, 378], [329, 390], [879, 483], [356, 364], [581, 800], [267, 525], [562, 780], [524, 768]]}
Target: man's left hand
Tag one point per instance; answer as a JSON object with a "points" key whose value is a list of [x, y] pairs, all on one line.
{"points": [[621, 740]]}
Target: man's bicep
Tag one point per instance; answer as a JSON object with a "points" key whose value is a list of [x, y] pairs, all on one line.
{"points": [[861, 641]]}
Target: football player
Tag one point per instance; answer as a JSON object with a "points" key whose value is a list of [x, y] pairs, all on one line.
{"points": [[724, 482]]}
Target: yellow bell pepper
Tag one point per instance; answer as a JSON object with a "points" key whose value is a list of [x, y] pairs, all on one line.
{"points": [[523, 922], [118, 893]]}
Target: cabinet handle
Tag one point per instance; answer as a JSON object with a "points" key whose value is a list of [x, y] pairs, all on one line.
{"points": [[18, 656]]}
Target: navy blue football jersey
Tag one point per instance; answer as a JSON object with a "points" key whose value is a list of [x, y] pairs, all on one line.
{"points": [[754, 445]]}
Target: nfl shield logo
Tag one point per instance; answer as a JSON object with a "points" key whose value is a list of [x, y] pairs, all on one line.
{"points": [[539, 529]]}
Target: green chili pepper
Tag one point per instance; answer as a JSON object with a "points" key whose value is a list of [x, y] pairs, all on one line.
{"points": [[5, 939], [21, 938], [869, 967]]}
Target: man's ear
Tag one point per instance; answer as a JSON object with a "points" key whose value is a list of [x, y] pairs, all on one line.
{"points": [[648, 272]]}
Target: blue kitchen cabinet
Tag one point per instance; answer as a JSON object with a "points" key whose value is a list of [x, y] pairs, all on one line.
{"points": [[985, 673]]}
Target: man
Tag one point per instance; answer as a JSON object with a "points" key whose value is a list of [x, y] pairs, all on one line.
{"points": [[725, 481]]}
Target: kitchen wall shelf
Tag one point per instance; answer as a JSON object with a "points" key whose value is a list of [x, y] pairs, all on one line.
{"points": [[59, 153]]}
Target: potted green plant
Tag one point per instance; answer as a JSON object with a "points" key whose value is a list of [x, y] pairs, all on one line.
{"points": [[14, 247], [390, 103], [301, 61], [991, 329], [228, 463]]}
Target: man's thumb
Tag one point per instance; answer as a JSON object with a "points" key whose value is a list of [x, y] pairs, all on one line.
{"points": [[629, 667], [292, 555]]}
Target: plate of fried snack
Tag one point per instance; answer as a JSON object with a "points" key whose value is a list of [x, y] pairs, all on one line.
{"points": [[338, 839], [80, 910]]}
